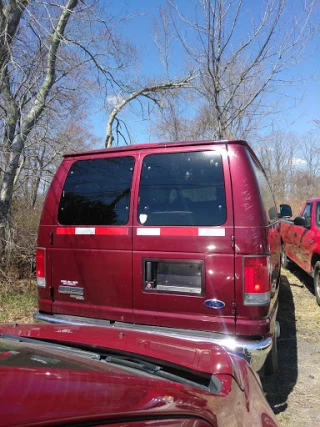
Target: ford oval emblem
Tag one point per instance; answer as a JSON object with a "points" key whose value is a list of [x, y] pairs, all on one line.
{"points": [[214, 303]]}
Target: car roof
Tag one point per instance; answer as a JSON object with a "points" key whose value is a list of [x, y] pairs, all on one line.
{"points": [[155, 146]]}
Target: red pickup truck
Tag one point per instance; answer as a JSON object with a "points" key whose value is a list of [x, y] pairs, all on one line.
{"points": [[300, 240]]}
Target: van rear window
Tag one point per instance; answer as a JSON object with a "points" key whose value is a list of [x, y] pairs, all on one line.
{"points": [[182, 189], [97, 192]]}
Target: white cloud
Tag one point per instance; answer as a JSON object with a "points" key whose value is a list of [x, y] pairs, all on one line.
{"points": [[114, 100], [298, 162]]}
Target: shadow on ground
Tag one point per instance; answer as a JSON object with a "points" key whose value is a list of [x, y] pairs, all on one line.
{"points": [[303, 277], [279, 386]]}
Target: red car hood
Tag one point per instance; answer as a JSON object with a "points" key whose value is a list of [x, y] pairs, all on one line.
{"points": [[205, 357], [46, 387], [50, 396]]}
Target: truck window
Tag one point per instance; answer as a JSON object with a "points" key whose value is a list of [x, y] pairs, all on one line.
{"points": [[97, 192], [265, 193], [318, 215], [307, 214], [182, 189]]}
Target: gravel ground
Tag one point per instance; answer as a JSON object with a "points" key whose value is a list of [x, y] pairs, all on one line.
{"points": [[294, 391]]}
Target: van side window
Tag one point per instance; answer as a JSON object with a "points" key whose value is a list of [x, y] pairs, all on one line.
{"points": [[182, 189], [265, 192], [97, 192]]}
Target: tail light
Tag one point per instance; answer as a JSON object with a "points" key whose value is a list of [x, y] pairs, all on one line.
{"points": [[41, 267], [256, 280]]}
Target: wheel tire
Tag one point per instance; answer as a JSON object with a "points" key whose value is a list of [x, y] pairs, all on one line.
{"points": [[285, 261], [316, 281], [271, 363]]}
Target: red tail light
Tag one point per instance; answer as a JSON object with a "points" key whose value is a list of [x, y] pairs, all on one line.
{"points": [[41, 267], [256, 280]]}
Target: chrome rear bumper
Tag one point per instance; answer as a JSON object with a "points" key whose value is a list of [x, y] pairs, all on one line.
{"points": [[254, 351]]}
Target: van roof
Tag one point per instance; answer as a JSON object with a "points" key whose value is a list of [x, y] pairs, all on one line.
{"points": [[155, 145]]}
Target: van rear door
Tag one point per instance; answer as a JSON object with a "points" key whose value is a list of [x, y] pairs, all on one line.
{"points": [[92, 239], [183, 255]]}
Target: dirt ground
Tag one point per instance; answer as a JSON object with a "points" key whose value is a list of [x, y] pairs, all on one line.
{"points": [[295, 390]]}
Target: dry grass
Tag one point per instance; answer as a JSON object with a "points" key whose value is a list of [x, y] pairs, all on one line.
{"points": [[307, 311], [293, 392], [18, 301]]}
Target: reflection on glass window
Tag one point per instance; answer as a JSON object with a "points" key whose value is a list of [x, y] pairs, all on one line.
{"points": [[266, 194], [307, 214], [97, 192], [182, 189], [318, 215]]}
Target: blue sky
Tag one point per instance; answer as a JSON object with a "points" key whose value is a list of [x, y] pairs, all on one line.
{"points": [[139, 30]]}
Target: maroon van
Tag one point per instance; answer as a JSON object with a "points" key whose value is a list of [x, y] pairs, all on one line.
{"points": [[180, 238]]}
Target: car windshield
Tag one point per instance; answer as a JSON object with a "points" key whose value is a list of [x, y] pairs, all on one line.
{"points": [[26, 352]]}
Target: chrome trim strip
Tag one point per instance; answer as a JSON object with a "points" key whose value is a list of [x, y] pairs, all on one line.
{"points": [[255, 352]]}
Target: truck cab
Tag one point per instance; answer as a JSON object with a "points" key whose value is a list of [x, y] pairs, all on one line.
{"points": [[300, 240]]}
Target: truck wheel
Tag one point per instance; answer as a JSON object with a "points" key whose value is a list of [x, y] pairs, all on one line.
{"points": [[271, 363], [316, 281], [285, 261]]}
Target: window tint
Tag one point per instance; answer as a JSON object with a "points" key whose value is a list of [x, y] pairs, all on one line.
{"points": [[182, 189], [318, 214], [266, 194], [307, 214], [97, 192]]}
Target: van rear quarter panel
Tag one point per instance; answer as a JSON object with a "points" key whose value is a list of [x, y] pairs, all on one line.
{"points": [[253, 236], [45, 232]]}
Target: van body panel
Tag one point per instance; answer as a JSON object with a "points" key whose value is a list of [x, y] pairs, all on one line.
{"points": [[175, 244], [91, 265], [255, 235], [45, 298], [87, 279], [180, 310], [248, 211]]}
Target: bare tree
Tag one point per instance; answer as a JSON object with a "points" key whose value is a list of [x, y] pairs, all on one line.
{"points": [[310, 154], [242, 57], [170, 124], [17, 125], [48, 52], [292, 164], [278, 155], [161, 91], [151, 92], [43, 152]]}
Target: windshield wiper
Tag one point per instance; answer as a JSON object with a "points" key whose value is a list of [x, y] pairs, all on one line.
{"points": [[209, 383]]}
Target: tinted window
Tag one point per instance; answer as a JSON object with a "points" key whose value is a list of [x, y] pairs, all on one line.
{"points": [[266, 194], [182, 189], [97, 192], [318, 214], [307, 214]]}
